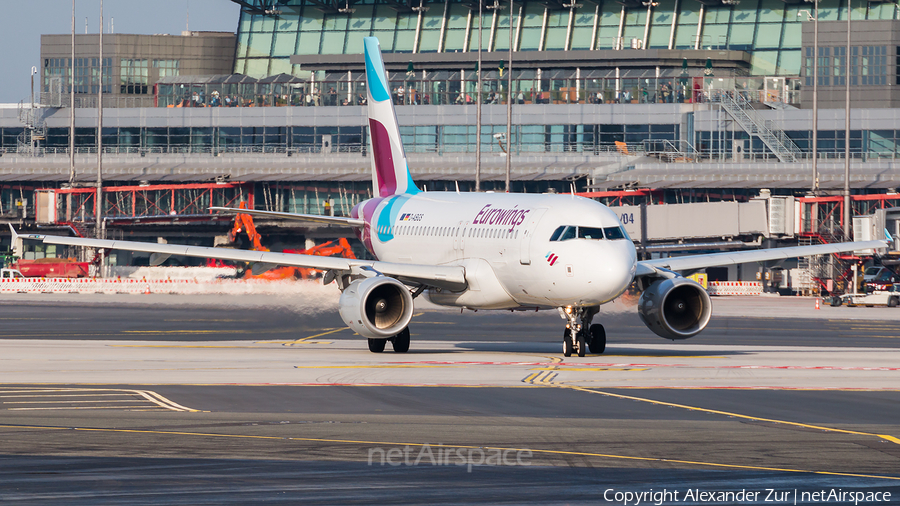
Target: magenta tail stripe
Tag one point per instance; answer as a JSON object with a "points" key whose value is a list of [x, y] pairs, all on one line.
{"points": [[384, 159]]}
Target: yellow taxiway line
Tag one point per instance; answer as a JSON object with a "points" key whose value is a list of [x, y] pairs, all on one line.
{"points": [[420, 445]]}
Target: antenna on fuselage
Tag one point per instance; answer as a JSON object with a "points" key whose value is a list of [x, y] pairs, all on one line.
{"points": [[457, 186]]}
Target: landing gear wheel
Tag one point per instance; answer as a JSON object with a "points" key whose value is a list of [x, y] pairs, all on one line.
{"points": [[598, 339], [567, 343], [377, 345], [582, 345], [400, 342]]}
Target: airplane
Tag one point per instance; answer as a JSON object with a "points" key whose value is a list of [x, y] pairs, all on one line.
{"points": [[502, 251]]}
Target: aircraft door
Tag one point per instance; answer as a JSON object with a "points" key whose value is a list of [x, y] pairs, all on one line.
{"points": [[459, 239], [527, 234]]}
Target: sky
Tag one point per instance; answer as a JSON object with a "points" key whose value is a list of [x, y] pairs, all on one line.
{"points": [[23, 22]]}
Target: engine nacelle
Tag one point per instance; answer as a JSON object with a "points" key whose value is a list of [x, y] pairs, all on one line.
{"points": [[376, 308], [676, 308]]}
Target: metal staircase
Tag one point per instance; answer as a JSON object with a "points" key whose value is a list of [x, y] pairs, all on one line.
{"points": [[738, 107], [818, 269], [29, 141], [813, 268]]}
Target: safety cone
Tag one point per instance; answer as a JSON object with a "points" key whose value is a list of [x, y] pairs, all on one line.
{"points": [[147, 292], [817, 303]]}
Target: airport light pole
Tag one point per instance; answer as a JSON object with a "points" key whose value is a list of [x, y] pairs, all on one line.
{"points": [[33, 72], [478, 105], [815, 118], [71, 113], [98, 199], [815, 111], [846, 192], [509, 99]]}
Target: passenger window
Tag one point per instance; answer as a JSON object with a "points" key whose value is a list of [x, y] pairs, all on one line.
{"points": [[590, 233], [613, 233], [568, 233]]}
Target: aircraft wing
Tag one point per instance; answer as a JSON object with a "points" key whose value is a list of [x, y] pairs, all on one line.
{"points": [[443, 276], [690, 262], [315, 218]]}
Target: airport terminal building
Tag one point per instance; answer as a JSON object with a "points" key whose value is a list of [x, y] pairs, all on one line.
{"points": [[638, 103]]}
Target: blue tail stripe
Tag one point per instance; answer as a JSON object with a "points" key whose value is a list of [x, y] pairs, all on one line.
{"points": [[375, 68], [411, 187]]}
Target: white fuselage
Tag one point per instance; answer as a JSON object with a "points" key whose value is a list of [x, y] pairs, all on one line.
{"points": [[504, 243]]}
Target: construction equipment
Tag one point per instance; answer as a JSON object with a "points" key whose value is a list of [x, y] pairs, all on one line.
{"points": [[339, 247], [243, 223]]}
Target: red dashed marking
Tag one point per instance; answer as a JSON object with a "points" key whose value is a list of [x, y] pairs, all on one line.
{"points": [[563, 365]]}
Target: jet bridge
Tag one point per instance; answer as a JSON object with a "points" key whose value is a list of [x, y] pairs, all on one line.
{"points": [[883, 224], [704, 225], [660, 230]]}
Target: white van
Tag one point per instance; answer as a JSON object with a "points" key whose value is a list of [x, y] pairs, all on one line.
{"points": [[10, 274]]}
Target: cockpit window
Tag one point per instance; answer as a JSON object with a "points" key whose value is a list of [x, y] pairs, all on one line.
{"points": [[557, 233], [568, 233], [590, 233], [564, 233], [613, 233]]}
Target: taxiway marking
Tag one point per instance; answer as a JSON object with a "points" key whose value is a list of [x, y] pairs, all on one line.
{"points": [[727, 413], [378, 366], [436, 445], [306, 340], [65, 394]]}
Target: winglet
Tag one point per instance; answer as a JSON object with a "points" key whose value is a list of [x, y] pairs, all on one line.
{"points": [[16, 236]]}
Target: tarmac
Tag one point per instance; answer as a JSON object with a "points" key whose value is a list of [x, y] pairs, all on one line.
{"points": [[111, 399]]}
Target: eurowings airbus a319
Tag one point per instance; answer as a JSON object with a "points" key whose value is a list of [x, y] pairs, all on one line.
{"points": [[482, 251]]}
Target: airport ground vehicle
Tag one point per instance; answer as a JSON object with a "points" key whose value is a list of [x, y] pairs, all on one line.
{"points": [[889, 297], [52, 268], [878, 278], [10, 274]]}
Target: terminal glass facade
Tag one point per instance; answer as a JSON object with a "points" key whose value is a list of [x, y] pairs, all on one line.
{"points": [[768, 29], [347, 139], [86, 74], [526, 139]]}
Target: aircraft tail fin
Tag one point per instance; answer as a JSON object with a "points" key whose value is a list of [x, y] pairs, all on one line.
{"points": [[390, 171]]}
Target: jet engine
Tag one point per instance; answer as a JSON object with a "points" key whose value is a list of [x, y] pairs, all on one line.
{"points": [[675, 308], [376, 308]]}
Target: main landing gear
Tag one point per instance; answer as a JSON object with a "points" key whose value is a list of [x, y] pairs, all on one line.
{"points": [[400, 343], [579, 334]]}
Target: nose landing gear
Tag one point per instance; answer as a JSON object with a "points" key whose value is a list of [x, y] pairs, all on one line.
{"points": [[579, 333], [573, 344]]}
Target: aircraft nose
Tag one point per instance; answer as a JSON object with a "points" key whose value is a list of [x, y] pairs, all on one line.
{"points": [[618, 271]]}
